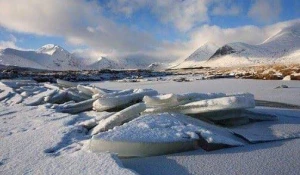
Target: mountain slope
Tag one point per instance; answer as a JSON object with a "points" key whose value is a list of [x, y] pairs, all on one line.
{"points": [[197, 58], [51, 57], [100, 63], [284, 47]]}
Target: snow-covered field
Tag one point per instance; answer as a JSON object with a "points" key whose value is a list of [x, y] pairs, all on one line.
{"points": [[40, 140]]}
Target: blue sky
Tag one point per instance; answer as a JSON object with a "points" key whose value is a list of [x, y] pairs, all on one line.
{"points": [[127, 27]]}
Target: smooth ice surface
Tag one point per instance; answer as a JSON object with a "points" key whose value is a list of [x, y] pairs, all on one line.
{"points": [[286, 127], [262, 89], [281, 157]]}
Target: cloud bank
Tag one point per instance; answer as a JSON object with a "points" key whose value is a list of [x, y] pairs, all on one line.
{"points": [[84, 23]]}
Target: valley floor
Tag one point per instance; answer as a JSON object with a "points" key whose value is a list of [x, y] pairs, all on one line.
{"points": [[37, 140]]}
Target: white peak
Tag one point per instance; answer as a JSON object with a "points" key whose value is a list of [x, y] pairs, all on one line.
{"points": [[287, 33], [101, 58], [209, 44], [50, 49], [207, 47]]}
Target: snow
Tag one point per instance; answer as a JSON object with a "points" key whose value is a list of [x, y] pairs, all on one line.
{"points": [[169, 100], [204, 106], [49, 57], [36, 140], [54, 57], [119, 118], [106, 103], [159, 134], [281, 48], [75, 107], [197, 58], [167, 127], [39, 98]]}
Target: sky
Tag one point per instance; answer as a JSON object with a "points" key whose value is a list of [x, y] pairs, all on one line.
{"points": [[159, 29]]}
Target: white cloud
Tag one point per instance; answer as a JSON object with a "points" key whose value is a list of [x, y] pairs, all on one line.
{"points": [[226, 8], [78, 21], [265, 10], [183, 14], [7, 44], [10, 43]]}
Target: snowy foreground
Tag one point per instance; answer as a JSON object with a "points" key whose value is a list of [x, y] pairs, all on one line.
{"points": [[66, 128]]}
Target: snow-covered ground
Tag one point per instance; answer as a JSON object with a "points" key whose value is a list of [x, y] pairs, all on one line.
{"points": [[39, 140], [36, 140]]}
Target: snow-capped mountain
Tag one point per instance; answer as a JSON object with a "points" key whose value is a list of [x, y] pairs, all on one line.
{"points": [[50, 57], [54, 57], [201, 55], [284, 47]]}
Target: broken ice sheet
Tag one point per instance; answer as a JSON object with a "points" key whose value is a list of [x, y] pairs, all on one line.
{"points": [[286, 127]]}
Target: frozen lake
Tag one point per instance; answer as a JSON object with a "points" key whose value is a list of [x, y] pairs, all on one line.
{"points": [[262, 89], [40, 140]]}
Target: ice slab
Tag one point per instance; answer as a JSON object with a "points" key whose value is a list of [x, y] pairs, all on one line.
{"points": [[5, 91], [210, 105], [169, 100], [159, 131], [14, 99], [18, 83], [119, 118], [140, 149], [39, 98], [106, 103], [65, 83], [74, 108], [90, 91]]}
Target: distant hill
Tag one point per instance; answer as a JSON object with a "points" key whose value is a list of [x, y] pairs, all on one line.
{"points": [[54, 57], [200, 56], [283, 47]]}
